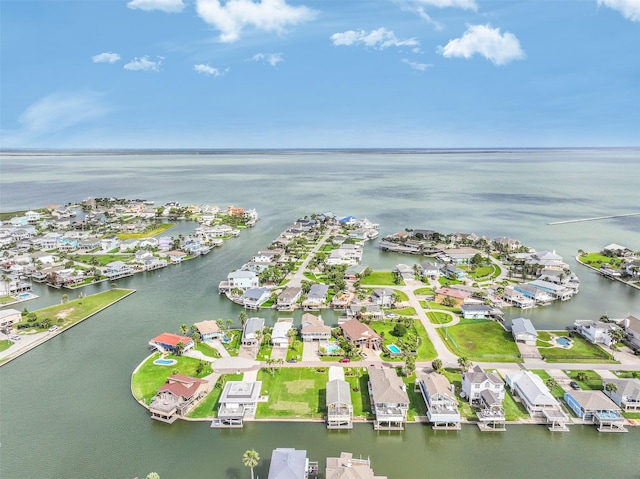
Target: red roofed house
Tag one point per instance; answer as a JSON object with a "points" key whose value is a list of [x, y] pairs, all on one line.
{"points": [[456, 295], [361, 335], [168, 343], [177, 397]]}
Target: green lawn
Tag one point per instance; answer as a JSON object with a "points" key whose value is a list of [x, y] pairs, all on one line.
{"points": [[209, 406], [146, 381], [446, 281], [207, 350], [382, 278], [513, 410], [439, 318], [434, 305], [293, 393], [557, 391], [66, 314], [417, 406], [104, 259], [592, 382], [480, 340], [627, 374], [5, 344], [425, 352], [7, 299], [402, 296], [582, 351], [424, 292], [595, 259], [358, 380], [455, 377], [158, 229], [409, 311], [482, 272]]}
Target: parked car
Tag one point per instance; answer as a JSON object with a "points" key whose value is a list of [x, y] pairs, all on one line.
{"points": [[292, 360], [53, 328], [345, 360], [15, 337], [574, 385]]}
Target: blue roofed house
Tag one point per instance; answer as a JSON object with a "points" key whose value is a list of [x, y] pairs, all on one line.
{"points": [[597, 408], [317, 296], [253, 298], [523, 331]]}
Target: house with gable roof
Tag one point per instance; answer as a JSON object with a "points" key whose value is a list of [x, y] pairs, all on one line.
{"points": [[168, 343], [338, 400], [523, 331], [627, 393], [288, 463], [208, 330], [177, 397], [389, 399], [361, 335], [314, 329], [441, 401], [632, 329], [347, 467]]}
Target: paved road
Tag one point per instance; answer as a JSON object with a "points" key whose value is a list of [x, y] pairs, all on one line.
{"points": [[297, 277]]}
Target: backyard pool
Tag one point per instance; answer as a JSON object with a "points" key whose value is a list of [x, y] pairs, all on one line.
{"points": [[165, 362], [394, 349], [564, 341], [332, 348]]}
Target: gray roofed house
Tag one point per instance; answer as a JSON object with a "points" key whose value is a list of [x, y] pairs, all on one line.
{"points": [[627, 394], [313, 328], [596, 407], [339, 404], [523, 330], [475, 311], [632, 328], [476, 380], [441, 401], [537, 398], [389, 398], [288, 298], [253, 298], [317, 295], [251, 327], [288, 463], [280, 333]]}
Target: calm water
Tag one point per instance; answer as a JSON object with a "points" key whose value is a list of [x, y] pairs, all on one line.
{"points": [[66, 407]]}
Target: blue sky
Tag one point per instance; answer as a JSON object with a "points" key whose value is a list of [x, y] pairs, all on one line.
{"points": [[325, 74]]}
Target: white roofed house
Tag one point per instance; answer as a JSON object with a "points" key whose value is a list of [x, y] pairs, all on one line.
{"points": [[442, 404], [280, 333], [382, 297], [240, 280], [238, 401], [596, 332], [8, 317], [475, 311], [485, 390], [251, 327], [117, 269], [314, 329], [523, 331], [338, 399], [632, 328], [289, 463], [389, 399]]}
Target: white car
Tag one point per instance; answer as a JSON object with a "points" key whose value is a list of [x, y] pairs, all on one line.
{"points": [[53, 328], [15, 337]]}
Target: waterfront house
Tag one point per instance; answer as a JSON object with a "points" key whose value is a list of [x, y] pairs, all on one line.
{"points": [[253, 298], [451, 271], [316, 296], [280, 333], [389, 399], [614, 250], [441, 401], [249, 330], [109, 243], [536, 294], [289, 297], [242, 280], [117, 269], [557, 291], [430, 270], [405, 271], [238, 401], [475, 311], [456, 295], [165, 243], [8, 317], [289, 463], [177, 397], [361, 335], [346, 467], [595, 407], [537, 398], [476, 380], [338, 400], [352, 273], [523, 331], [208, 330], [596, 332], [314, 329], [176, 256], [627, 393], [632, 329], [168, 343], [517, 299], [364, 310], [462, 255]]}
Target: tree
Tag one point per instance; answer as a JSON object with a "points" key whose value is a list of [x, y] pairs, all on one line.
{"points": [[183, 329], [436, 364], [551, 383], [399, 330], [581, 376], [229, 323], [464, 363], [250, 459], [616, 336], [448, 302], [180, 348], [153, 475], [242, 317], [611, 388]]}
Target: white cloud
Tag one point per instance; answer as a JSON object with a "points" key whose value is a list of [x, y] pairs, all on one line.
{"points": [[380, 38], [267, 15], [464, 4], [415, 65], [488, 42], [271, 58], [169, 6], [143, 64], [53, 114], [106, 57], [209, 70], [630, 9]]}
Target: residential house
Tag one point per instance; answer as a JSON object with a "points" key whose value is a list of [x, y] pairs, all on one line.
{"points": [[612, 249], [441, 401], [314, 329], [242, 280], [453, 272], [176, 256], [597, 408], [517, 299], [382, 297], [280, 333], [317, 296], [168, 343], [537, 398], [117, 269], [389, 399], [238, 401], [557, 291], [361, 335], [405, 271], [462, 255], [251, 328], [430, 270], [476, 380], [346, 467], [523, 331], [352, 273], [456, 295], [364, 310], [538, 295], [288, 463], [289, 297], [475, 311], [208, 330], [177, 397], [627, 393], [8, 317], [109, 243], [338, 399], [253, 298], [632, 329], [596, 332]]}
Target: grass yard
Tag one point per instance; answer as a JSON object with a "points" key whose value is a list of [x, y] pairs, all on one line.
{"points": [[358, 380], [67, 314], [104, 259], [158, 229], [557, 391], [207, 350], [382, 278], [293, 393], [424, 292], [455, 377], [582, 351], [4, 344], [480, 340], [438, 306], [402, 296], [439, 318], [482, 272], [592, 382], [409, 311], [146, 381], [417, 406], [208, 408], [513, 410], [627, 374]]}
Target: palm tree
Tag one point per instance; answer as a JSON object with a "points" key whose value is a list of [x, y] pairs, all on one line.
{"points": [[183, 329], [611, 388], [581, 376], [616, 336], [243, 318], [250, 459], [229, 323], [464, 363], [551, 383], [436, 364]]}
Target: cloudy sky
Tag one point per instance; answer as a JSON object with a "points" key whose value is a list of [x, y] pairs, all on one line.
{"points": [[319, 73]]}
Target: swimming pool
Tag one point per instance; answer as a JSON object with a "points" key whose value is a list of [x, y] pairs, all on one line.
{"points": [[394, 349], [332, 348], [165, 362], [563, 341], [24, 295]]}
